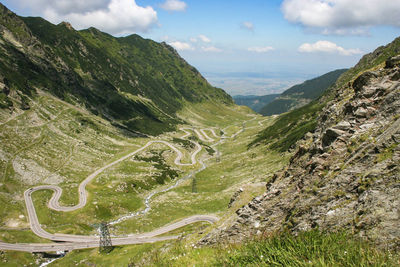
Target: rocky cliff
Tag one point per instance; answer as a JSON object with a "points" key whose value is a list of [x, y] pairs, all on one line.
{"points": [[344, 175]]}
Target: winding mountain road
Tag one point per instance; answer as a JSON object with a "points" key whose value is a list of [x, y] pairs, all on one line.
{"points": [[71, 242], [68, 246]]}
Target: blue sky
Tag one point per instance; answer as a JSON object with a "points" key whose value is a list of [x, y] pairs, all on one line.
{"points": [[245, 47]]}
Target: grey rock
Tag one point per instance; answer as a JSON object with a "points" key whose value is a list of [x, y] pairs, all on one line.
{"points": [[343, 125], [234, 197], [361, 112], [393, 62], [330, 136], [369, 91], [395, 76], [363, 80]]}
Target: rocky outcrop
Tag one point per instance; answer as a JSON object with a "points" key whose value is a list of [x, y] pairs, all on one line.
{"points": [[235, 197], [346, 175], [393, 62]]}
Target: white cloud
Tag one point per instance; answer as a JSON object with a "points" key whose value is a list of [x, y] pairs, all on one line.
{"points": [[259, 49], [117, 17], [210, 49], [204, 38], [362, 31], [165, 38], [174, 5], [327, 47], [181, 46], [248, 25], [201, 38], [64, 6], [337, 16]]}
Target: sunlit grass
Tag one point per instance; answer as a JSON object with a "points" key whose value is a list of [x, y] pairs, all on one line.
{"points": [[313, 248]]}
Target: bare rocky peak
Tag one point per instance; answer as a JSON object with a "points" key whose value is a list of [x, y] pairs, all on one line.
{"points": [[67, 25]]}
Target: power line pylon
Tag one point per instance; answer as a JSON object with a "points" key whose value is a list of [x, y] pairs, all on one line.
{"points": [[105, 239]]}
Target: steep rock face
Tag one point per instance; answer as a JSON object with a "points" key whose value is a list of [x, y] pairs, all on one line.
{"points": [[344, 176]]}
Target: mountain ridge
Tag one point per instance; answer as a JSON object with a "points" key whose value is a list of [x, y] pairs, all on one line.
{"points": [[301, 94], [122, 79], [254, 102]]}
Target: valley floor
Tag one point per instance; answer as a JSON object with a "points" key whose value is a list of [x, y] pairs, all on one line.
{"points": [[145, 184]]}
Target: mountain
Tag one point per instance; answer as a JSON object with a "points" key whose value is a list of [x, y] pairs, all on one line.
{"points": [[318, 185], [73, 101], [301, 94], [254, 102], [134, 83], [344, 174]]}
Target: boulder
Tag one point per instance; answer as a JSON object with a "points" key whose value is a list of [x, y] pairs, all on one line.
{"points": [[331, 135], [234, 197], [369, 91], [361, 112], [393, 62], [363, 80], [343, 125], [395, 76]]}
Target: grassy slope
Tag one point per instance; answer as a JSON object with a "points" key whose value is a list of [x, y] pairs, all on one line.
{"points": [[256, 103], [71, 143], [299, 95], [289, 127], [315, 87], [215, 185], [307, 249], [220, 179], [106, 202], [55, 138], [131, 81]]}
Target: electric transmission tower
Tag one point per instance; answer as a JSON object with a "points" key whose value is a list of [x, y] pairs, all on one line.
{"points": [[105, 239]]}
